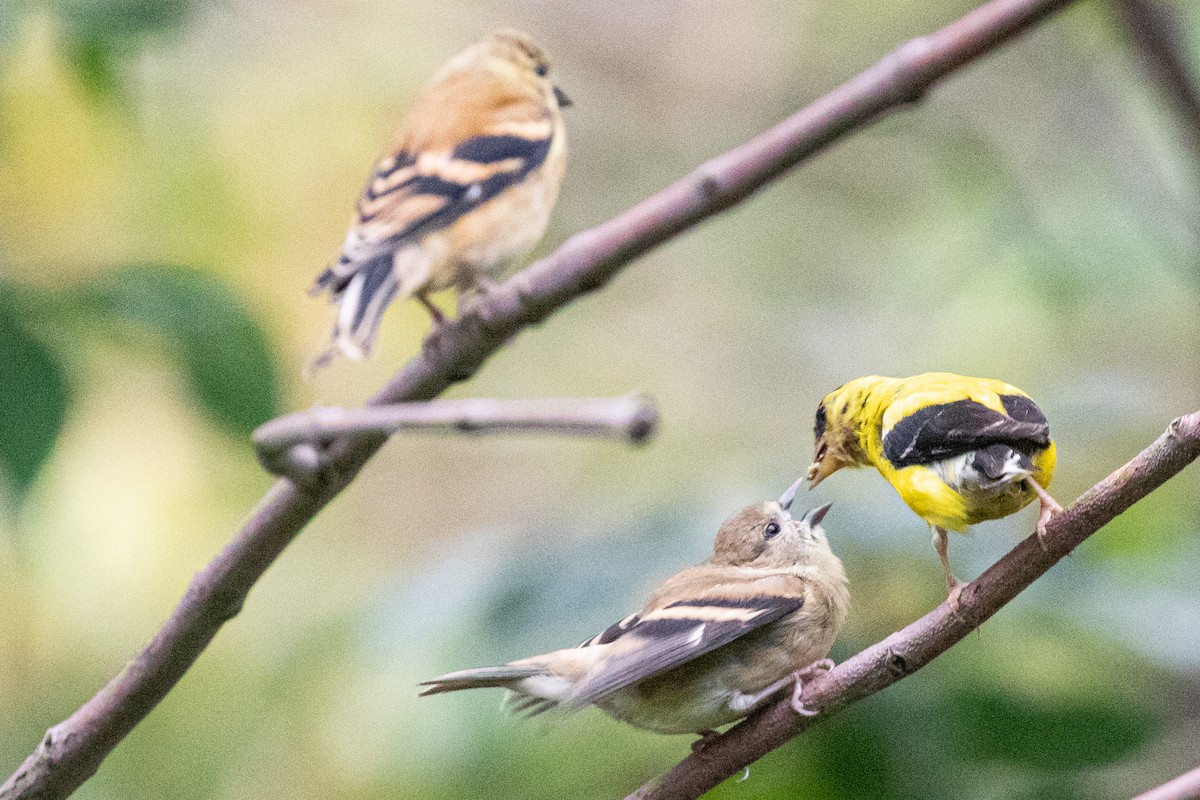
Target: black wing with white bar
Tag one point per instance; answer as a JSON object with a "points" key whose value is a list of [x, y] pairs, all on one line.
{"points": [[951, 429], [671, 636]]}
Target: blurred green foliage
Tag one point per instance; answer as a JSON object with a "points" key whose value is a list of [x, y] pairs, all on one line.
{"points": [[34, 396], [221, 350], [99, 35], [1034, 219], [8, 22], [1059, 738]]}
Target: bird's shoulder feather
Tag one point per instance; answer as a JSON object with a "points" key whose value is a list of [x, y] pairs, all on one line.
{"points": [[937, 388]]}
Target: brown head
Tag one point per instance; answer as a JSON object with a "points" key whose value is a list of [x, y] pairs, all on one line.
{"points": [[766, 535], [515, 56]]}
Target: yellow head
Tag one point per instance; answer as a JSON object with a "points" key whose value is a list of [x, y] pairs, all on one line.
{"points": [[765, 535], [837, 431], [512, 55]]}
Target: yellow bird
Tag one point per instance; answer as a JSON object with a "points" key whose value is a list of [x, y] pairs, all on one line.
{"points": [[959, 450], [466, 188], [715, 642]]}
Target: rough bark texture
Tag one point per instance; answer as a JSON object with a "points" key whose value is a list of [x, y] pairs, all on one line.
{"points": [[294, 445]]}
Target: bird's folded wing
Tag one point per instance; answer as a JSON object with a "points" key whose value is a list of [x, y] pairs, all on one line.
{"points": [[412, 193], [944, 430], [431, 190], [673, 635]]}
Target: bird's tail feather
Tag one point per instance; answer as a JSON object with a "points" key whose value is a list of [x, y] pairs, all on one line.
{"points": [[361, 302], [528, 705], [1000, 464], [505, 676]]}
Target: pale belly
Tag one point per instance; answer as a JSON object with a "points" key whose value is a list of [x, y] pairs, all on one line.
{"points": [[490, 242], [715, 689]]}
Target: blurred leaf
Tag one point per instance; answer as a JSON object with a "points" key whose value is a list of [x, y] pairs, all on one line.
{"points": [[101, 33], [225, 354], [33, 401], [95, 62], [847, 756], [1051, 737]]}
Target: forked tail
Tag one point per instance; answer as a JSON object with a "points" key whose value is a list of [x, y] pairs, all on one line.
{"points": [[362, 297]]}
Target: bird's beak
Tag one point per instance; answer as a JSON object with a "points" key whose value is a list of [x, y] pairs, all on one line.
{"points": [[561, 97], [820, 469], [812, 518], [785, 499]]}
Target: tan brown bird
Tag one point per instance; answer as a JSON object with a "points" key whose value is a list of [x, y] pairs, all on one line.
{"points": [[714, 643], [466, 188]]}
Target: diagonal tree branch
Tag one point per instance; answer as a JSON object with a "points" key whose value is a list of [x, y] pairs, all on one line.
{"points": [[1185, 787], [911, 648], [1154, 30], [293, 445], [72, 751]]}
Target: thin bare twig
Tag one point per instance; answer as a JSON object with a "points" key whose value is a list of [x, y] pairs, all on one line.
{"points": [[911, 648], [294, 445], [1185, 787], [1155, 32], [71, 751]]}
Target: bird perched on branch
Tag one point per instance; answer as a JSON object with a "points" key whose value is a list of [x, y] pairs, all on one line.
{"points": [[959, 450], [715, 641], [466, 188]]}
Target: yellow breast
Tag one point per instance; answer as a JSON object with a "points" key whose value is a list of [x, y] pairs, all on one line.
{"points": [[955, 505]]}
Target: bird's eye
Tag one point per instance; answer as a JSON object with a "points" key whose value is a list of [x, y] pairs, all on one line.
{"points": [[771, 530], [819, 427], [542, 70]]}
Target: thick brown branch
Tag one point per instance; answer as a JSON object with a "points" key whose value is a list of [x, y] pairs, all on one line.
{"points": [[1185, 787], [907, 650], [294, 445], [73, 750]]}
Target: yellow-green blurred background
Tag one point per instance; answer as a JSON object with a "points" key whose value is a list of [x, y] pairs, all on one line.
{"points": [[173, 175]]}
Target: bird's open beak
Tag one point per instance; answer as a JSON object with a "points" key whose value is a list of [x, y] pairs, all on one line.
{"points": [[561, 97], [785, 499], [812, 518]]}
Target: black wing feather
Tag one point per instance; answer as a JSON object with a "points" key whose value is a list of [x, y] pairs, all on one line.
{"points": [[463, 197], [612, 632], [669, 642], [951, 429], [1022, 409]]}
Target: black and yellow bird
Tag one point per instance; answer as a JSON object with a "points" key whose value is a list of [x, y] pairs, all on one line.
{"points": [[466, 187], [715, 641], [958, 450]]}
